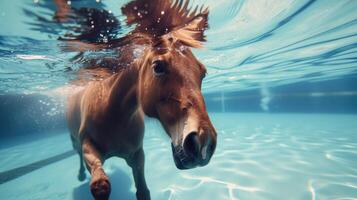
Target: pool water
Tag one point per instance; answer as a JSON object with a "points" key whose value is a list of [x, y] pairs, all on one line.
{"points": [[259, 156], [281, 91]]}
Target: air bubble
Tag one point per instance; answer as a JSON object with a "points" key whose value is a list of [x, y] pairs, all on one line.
{"points": [[105, 39]]}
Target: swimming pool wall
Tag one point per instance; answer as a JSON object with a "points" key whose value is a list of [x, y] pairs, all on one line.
{"points": [[22, 114]]}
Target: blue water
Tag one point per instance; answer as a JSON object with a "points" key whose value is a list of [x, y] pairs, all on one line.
{"points": [[250, 44], [259, 156], [281, 89]]}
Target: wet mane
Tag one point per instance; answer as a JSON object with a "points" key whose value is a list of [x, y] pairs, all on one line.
{"points": [[169, 19]]}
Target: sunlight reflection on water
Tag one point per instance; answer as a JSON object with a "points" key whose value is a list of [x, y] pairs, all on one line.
{"points": [[250, 43]]}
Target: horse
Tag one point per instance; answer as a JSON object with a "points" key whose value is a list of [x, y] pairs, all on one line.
{"points": [[155, 74]]}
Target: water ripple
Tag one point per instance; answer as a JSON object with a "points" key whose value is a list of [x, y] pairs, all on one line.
{"points": [[251, 44]]}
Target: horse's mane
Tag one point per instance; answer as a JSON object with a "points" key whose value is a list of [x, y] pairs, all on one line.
{"points": [[161, 17], [93, 29]]}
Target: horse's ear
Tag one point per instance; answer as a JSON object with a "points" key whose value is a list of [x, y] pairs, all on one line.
{"points": [[192, 33]]}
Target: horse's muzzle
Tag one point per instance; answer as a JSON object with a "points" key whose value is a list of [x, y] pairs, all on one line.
{"points": [[192, 152]]}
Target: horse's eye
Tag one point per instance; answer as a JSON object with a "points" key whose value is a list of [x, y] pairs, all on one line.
{"points": [[159, 67]]}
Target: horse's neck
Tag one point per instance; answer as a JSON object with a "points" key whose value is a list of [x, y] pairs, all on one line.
{"points": [[122, 88]]}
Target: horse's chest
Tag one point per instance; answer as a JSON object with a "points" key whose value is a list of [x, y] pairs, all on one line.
{"points": [[120, 138]]}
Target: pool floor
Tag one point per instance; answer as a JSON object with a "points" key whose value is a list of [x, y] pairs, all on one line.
{"points": [[258, 156]]}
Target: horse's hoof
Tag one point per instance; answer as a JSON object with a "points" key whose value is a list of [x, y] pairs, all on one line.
{"points": [[81, 176], [100, 188], [143, 195]]}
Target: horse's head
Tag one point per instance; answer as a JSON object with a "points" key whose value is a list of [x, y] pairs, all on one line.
{"points": [[170, 90]]}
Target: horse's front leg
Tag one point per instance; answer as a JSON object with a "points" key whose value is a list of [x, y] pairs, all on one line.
{"points": [[136, 162], [99, 185]]}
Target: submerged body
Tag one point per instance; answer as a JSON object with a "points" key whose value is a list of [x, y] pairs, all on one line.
{"points": [[106, 118], [90, 114], [102, 127]]}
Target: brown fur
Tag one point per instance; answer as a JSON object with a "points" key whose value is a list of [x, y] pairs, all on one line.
{"points": [[107, 118]]}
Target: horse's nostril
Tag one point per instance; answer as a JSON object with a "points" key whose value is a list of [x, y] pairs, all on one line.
{"points": [[191, 144]]}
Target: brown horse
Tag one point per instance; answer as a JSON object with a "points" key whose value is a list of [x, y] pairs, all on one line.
{"points": [[162, 81]]}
